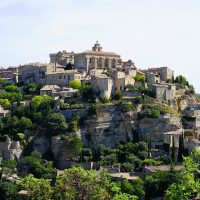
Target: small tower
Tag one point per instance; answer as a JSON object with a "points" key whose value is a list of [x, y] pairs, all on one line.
{"points": [[97, 47]]}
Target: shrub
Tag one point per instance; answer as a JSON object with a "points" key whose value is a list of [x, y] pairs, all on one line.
{"points": [[140, 78], [75, 84], [11, 88], [127, 107], [104, 100], [92, 110], [118, 96], [20, 136]]}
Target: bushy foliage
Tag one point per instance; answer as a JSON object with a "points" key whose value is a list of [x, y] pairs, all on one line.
{"points": [[56, 124], [92, 110], [8, 190], [5, 103], [31, 89], [188, 186], [11, 96], [75, 84], [76, 183], [118, 96], [11, 88], [104, 100], [140, 78], [20, 136], [38, 167], [157, 183]]}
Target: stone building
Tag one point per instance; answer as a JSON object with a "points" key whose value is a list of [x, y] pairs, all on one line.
{"points": [[97, 58], [48, 74], [62, 57], [165, 73], [10, 74], [121, 80], [62, 79], [152, 78], [103, 84], [35, 72], [164, 92]]}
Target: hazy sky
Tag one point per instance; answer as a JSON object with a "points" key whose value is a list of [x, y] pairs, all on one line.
{"points": [[152, 33]]}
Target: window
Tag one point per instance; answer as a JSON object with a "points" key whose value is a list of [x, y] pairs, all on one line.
{"points": [[60, 77]]}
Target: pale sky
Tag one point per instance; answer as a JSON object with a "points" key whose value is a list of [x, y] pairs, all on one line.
{"points": [[152, 33]]}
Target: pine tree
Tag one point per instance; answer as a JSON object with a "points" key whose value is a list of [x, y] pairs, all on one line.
{"points": [[173, 154]]}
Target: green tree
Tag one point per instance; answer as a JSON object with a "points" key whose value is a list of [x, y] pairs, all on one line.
{"points": [[44, 100], [188, 186], [157, 183], [7, 169], [8, 190], [38, 167], [38, 189], [173, 154], [76, 183], [56, 123], [24, 124], [75, 84], [76, 146], [5, 103], [11, 88]]}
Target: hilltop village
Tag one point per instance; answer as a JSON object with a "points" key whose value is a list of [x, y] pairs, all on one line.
{"points": [[94, 110]]}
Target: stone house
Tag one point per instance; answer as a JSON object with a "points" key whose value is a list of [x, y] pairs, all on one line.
{"points": [[152, 78], [164, 92], [62, 57], [10, 74], [62, 79], [96, 58], [54, 90], [103, 84], [165, 73]]}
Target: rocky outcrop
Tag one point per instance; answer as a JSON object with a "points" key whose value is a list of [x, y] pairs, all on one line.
{"points": [[113, 127], [10, 150], [110, 127], [41, 144], [150, 128]]}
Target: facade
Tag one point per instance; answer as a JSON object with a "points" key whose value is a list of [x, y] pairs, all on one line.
{"points": [[54, 90], [103, 84], [10, 74], [62, 57], [49, 90], [164, 92], [165, 73], [152, 78], [48, 74], [96, 58], [62, 79], [34, 72]]}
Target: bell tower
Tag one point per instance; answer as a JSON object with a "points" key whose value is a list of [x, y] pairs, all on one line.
{"points": [[97, 47]]}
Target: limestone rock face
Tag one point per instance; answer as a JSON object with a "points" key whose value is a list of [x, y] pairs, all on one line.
{"points": [[113, 127], [154, 128], [41, 144], [10, 150], [110, 128], [61, 152]]}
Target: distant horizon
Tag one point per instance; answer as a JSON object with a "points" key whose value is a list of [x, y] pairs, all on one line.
{"points": [[151, 33]]}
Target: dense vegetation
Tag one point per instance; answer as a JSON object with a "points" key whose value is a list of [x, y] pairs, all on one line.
{"points": [[38, 174]]}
